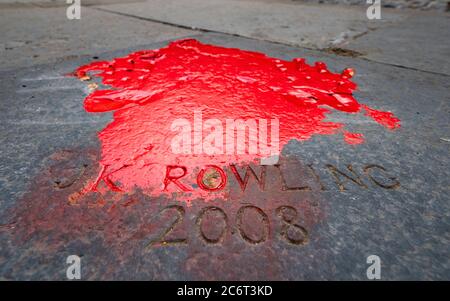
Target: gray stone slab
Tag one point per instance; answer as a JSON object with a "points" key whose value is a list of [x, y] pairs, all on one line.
{"points": [[288, 22], [422, 41], [49, 148], [36, 35], [413, 39], [399, 4]]}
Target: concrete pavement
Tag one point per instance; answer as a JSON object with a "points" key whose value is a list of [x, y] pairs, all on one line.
{"points": [[408, 38]]}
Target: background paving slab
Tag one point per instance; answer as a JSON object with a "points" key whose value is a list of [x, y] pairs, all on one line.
{"points": [[46, 135], [421, 40], [415, 4], [413, 39], [35, 35], [277, 21]]}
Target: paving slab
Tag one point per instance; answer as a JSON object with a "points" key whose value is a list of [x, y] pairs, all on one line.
{"points": [[34, 35], [397, 209], [414, 4], [421, 41], [288, 22], [409, 38]]}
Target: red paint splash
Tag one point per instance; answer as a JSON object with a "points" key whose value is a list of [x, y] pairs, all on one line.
{"points": [[353, 138], [386, 119], [152, 88]]}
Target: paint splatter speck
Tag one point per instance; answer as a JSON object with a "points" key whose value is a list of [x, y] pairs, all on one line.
{"points": [[353, 138]]}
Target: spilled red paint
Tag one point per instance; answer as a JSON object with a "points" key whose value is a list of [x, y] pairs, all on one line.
{"points": [[353, 138], [384, 118], [152, 88]]}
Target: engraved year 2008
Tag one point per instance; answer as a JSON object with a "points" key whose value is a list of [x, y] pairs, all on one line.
{"points": [[252, 225]]}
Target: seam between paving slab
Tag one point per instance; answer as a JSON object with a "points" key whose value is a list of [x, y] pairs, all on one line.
{"points": [[264, 40]]}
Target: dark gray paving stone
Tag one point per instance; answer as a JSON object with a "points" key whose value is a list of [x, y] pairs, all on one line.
{"points": [[46, 134]]}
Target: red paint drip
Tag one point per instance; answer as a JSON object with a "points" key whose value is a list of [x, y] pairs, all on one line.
{"points": [[353, 138], [152, 88], [386, 119]]}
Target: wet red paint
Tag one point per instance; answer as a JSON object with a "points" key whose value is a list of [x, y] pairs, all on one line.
{"points": [[353, 138], [384, 118], [152, 88]]}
